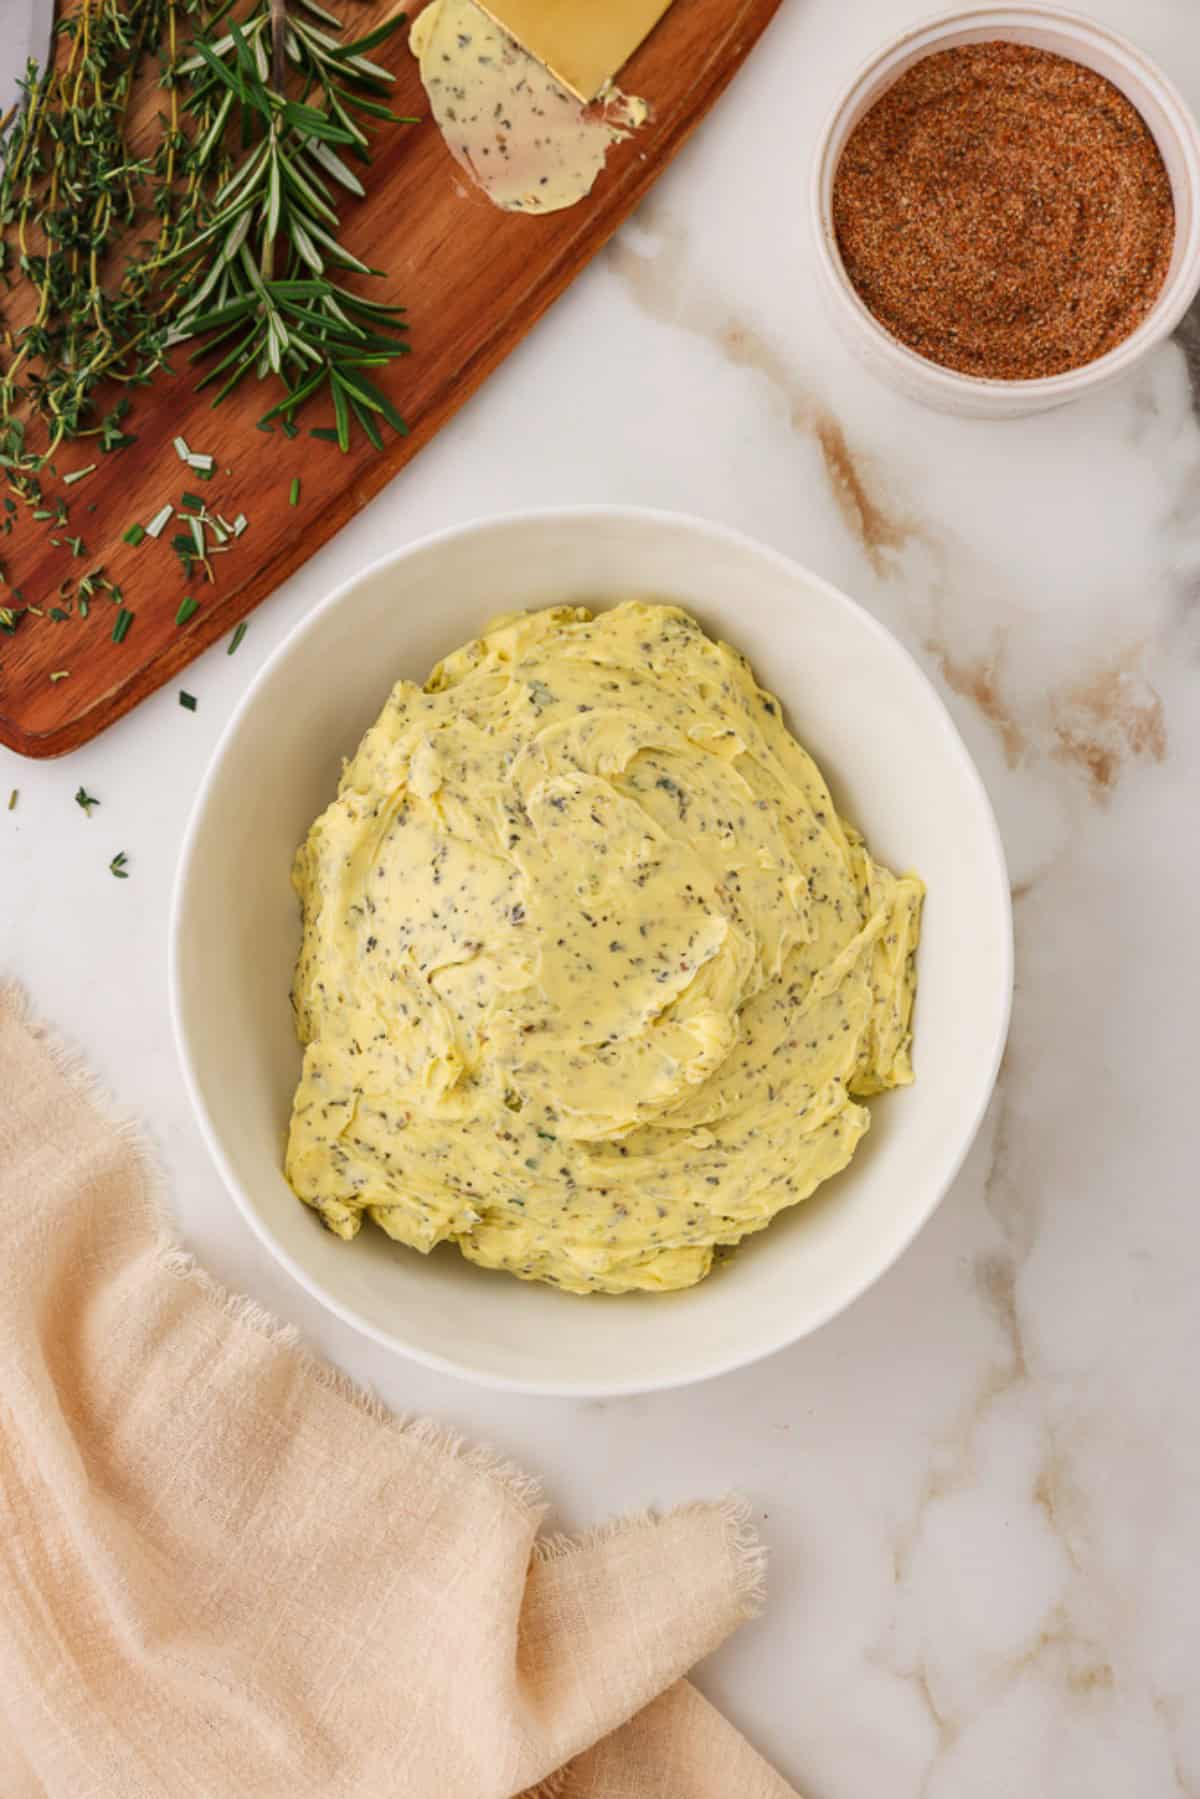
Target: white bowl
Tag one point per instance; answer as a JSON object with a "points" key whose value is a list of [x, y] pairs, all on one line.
{"points": [[897, 767], [1178, 138]]}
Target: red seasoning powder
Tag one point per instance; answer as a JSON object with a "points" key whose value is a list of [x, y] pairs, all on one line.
{"points": [[1005, 212]]}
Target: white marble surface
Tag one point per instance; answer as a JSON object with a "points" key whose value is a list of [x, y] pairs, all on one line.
{"points": [[981, 1486]]}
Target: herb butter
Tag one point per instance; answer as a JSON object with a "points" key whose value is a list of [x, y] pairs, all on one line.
{"points": [[531, 145], [593, 977]]}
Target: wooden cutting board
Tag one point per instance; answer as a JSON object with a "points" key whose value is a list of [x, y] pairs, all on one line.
{"points": [[473, 279]]}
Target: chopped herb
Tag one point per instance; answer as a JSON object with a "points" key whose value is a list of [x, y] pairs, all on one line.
{"points": [[58, 615], [85, 800], [117, 866], [60, 674], [79, 474], [12, 799], [324, 433], [123, 621], [236, 639], [186, 608], [202, 462], [84, 608], [239, 525], [161, 519], [181, 449], [135, 534], [187, 701], [294, 491], [191, 502]]}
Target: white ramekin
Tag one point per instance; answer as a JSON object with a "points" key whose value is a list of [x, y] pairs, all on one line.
{"points": [[1178, 138]]}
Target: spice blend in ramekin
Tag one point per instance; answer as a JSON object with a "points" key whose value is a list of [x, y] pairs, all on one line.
{"points": [[1005, 212]]}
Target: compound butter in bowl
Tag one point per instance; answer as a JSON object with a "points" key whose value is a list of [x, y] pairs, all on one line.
{"points": [[600, 973]]}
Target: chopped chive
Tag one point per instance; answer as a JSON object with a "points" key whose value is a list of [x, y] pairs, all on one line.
{"points": [[181, 449], [135, 534], [78, 474], [84, 608], [43, 512], [294, 491], [85, 801], [186, 608], [12, 799], [239, 524], [58, 615], [289, 429], [236, 639], [161, 518], [123, 622], [187, 701], [262, 425], [60, 674], [198, 536], [324, 433], [191, 502], [117, 866]]}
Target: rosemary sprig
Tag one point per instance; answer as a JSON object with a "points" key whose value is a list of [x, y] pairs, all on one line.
{"points": [[224, 230], [292, 97]]}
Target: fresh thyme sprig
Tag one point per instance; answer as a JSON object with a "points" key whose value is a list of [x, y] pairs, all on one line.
{"points": [[72, 195], [292, 97]]}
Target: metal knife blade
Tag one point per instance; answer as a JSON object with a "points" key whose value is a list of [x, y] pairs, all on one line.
{"points": [[583, 43]]}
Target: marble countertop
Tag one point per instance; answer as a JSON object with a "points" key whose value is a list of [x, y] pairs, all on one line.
{"points": [[980, 1486]]}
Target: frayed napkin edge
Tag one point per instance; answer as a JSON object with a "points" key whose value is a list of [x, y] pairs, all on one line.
{"points": [[523, 1489], [747, 1553]]}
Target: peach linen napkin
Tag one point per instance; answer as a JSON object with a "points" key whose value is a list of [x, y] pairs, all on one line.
{"points": [[225, 1573]]}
